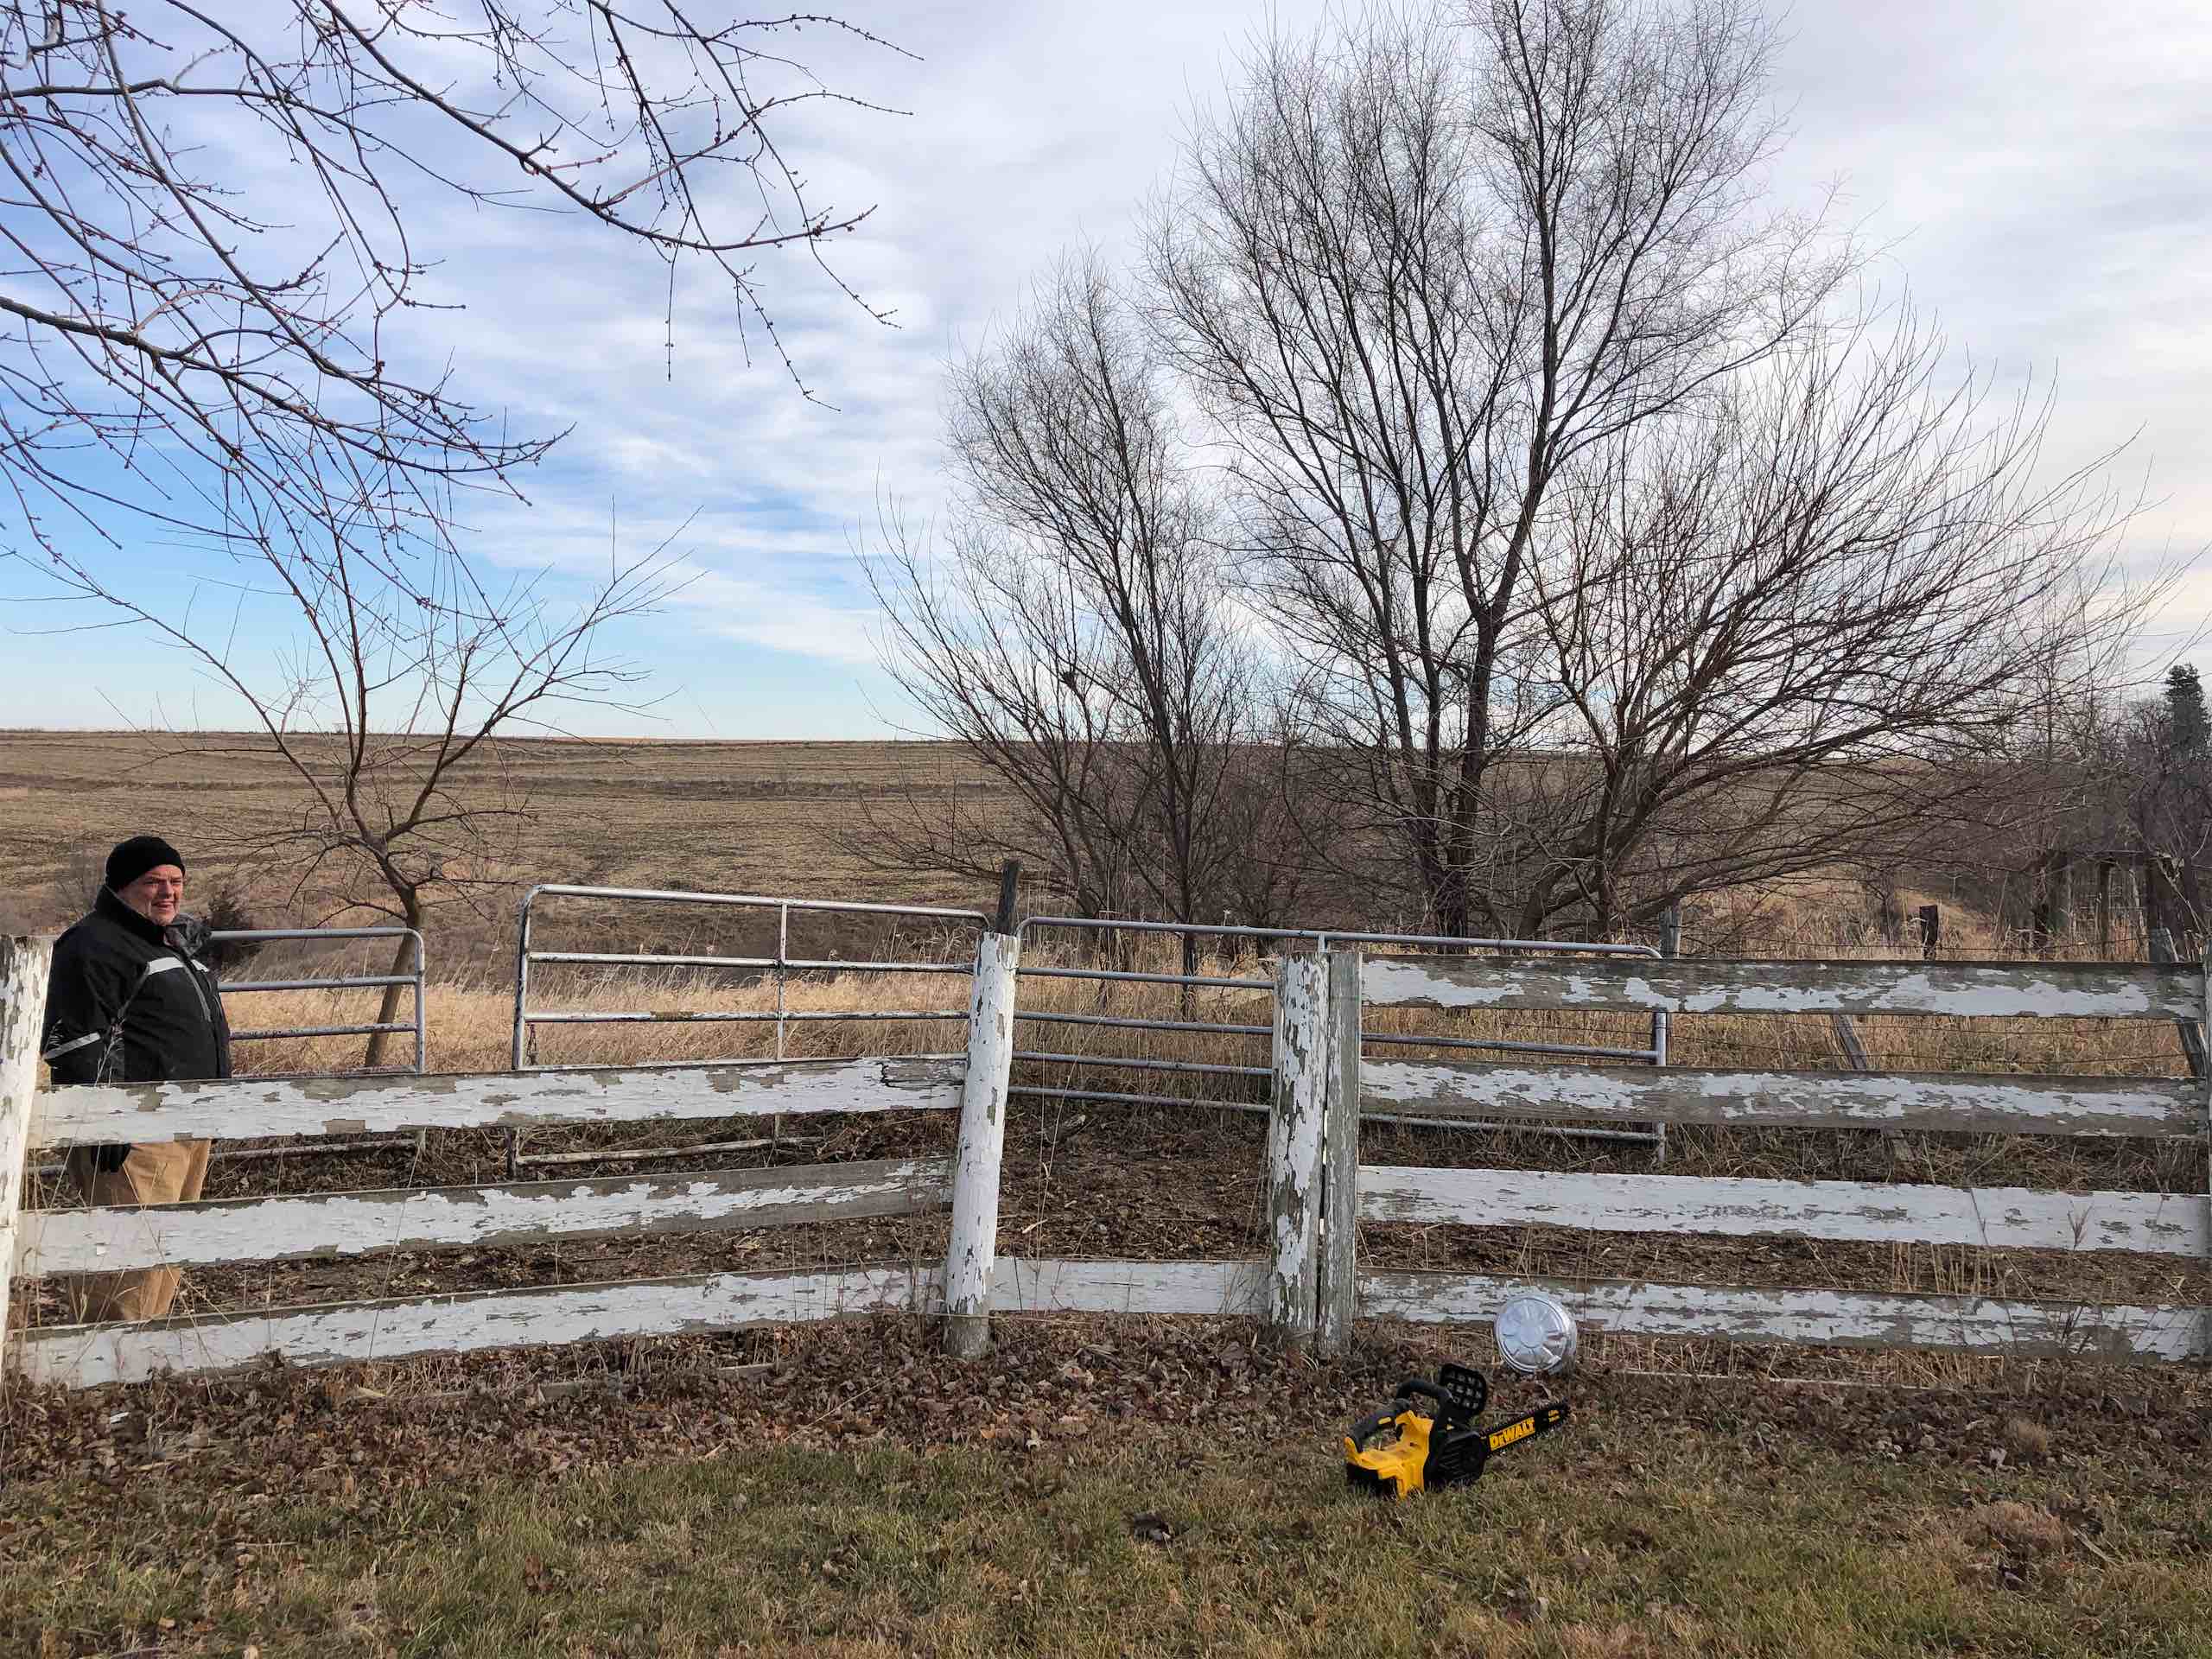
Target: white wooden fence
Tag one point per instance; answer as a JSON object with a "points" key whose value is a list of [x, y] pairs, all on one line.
{"points": [[1308, 1287], [2177, 1224]]}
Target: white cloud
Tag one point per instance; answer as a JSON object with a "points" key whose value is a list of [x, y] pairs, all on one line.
{"points": [[2040, 173]]}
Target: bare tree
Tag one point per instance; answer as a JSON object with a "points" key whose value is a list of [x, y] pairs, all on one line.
{"points": [[199, 349], [390, 713], [2163, 801], [1077, 634], [1416, 271], [1803, 625], [219, 221]]}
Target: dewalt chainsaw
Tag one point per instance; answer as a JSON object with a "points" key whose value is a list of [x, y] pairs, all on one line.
{"points": [[1434, 1440]]}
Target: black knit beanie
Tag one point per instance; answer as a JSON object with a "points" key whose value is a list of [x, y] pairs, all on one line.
{"points": [[133, 858]]}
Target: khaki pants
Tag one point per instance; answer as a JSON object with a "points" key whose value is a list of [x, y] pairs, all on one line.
{"points": [[165, 1172]]}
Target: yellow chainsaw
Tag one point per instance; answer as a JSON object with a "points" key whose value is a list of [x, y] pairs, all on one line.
{"points": [[1428, 1435]]}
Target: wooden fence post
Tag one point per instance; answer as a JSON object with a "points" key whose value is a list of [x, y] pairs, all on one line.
{"points": [[1341, 1152], [971, 1252], [1670, 946], [1300, 1088], [23, 964], [2161, 943]]}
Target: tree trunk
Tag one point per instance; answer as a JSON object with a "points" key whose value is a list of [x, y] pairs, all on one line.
{"points": [[403, 961]]}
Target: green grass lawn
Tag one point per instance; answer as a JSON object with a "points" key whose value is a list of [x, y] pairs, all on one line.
{"points": [[1631, 1531]]}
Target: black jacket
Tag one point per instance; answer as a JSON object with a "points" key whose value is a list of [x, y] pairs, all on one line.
{"points": [[130, 1001]]}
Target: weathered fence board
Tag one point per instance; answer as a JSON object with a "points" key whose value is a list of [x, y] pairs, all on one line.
{"points": [[1702, 985], [354, 1224], [1973, 1324], [971, 1243], [1805, 1100], [24, 963], [2010, 1218], [1302, 1076], [1338, 1289], [1222, 1287], [250, 1107], [86, 1356]]}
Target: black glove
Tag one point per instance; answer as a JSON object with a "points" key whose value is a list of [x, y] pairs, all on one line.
{"points": [[108, 1159]]}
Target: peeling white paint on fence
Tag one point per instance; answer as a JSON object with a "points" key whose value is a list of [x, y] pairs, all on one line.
{"points": [[354, 1224], [1301, 1079], [2008, 1217], [1973, 1324], [1917, 1100], [2074, 990], [242, 1108], [86, 1355], [974, 1236], [1337, 1293], [24, 966], [1218, 1287]]}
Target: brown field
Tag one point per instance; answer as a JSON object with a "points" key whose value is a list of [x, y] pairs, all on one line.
{"points": [[729, 818]]}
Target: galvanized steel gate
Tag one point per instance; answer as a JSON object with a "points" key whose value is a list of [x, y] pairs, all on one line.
{"points": [[963, 928], [1112, 945], [1095, 942]]}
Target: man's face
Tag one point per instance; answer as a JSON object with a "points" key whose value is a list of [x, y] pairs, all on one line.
{"points": [[157, 895]]}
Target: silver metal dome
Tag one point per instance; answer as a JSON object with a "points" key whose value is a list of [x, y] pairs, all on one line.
{"points": [[1536, 1335]]}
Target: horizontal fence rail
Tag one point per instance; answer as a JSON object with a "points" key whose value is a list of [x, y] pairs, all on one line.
{"points": [[464, 1322], [357, 1224], [2156, 1107], [1980, 990], [394, 1328], [263, 1106], [1984, 1326], [2009, 1218], [1233, 1288]]}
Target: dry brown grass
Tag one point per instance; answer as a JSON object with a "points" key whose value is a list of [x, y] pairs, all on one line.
{"points": [[2021, 1527], [1104, 1488]]}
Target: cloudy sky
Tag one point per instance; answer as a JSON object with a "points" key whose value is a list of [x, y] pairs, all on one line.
{"points": [[2034, 168]]}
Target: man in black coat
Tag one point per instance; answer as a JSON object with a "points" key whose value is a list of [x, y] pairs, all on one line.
{"points": [[131, 1000]]}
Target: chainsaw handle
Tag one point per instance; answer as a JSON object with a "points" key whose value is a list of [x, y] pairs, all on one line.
{"points": [[1414, 1387], [1368, 1427]]}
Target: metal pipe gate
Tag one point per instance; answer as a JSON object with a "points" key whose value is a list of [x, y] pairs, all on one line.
{"points": [[969, 923], [1322, 939]]}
